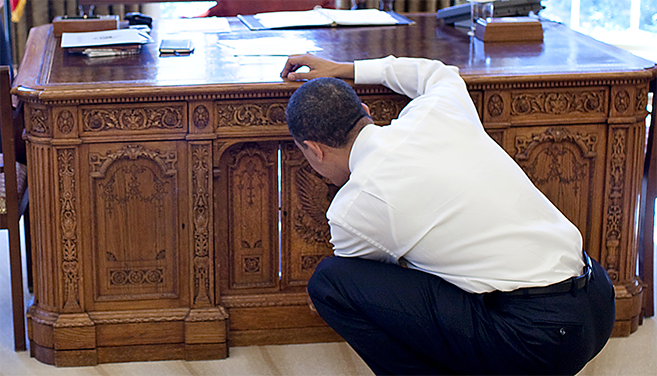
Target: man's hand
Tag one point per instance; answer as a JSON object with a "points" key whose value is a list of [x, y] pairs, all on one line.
{"points": [[318, 68]]}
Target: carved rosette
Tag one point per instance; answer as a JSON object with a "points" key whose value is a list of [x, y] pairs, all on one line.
{"points": [[65, 122], [39, 121], [132, 119], [558, 103], [383, 111], [142, 276], [201, 220], [252, 264], [68, 223], [622, 101], [250, 114], [201, 117], [309, 262], [495, 105], [614, 219]]}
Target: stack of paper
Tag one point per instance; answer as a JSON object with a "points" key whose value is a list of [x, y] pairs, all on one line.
{"points": [[105, 43], [323, 17]]}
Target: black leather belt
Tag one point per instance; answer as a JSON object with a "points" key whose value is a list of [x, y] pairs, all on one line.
{"points": [[569, 285]]}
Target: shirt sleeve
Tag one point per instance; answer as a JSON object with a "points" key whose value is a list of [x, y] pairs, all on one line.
{"points": [[409, 76], [351, 243]]}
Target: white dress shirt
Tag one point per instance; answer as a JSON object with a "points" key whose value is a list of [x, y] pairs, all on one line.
{"points": [[435, 189]]}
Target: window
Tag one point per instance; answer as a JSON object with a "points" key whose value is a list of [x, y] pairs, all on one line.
{"points": [[630, 24]]}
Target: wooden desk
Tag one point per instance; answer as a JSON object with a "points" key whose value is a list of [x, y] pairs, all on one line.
{"points": [[154, 181]]}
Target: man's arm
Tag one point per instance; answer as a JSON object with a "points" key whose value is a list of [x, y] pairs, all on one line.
{"points": [[319, 67]]}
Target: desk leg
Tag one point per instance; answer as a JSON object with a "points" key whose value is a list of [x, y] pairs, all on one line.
{"points": [[646, 254]]}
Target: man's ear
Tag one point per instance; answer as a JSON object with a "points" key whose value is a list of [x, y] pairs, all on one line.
{"points": [[367, 109], [316, 148]]}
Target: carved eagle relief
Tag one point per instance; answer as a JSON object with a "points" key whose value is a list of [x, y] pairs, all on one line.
{"points": [[314, 197]]}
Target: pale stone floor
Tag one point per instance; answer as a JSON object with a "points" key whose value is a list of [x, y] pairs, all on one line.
{"points": [[635, 355]]}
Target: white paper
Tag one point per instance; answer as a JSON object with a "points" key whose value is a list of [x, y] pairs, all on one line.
{"points": [[199, 25], [325, 17], [273, 20], [359, 16], [269, 46], [104, 38]]}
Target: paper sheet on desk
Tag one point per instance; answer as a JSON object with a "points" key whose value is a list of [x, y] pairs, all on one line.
{"points": [[199, 25], [269, 46], [104, 38]]}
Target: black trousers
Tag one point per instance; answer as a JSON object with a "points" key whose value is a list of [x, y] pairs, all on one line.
{"points": [[406, 322]]}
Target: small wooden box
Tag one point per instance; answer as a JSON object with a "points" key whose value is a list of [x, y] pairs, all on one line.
{"points": [[78, 25], [509, 29]]}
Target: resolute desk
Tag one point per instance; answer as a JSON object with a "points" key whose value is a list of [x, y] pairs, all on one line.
{"points": [[172, 215]]}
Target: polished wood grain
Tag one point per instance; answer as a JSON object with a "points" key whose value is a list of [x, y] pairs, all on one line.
{"points": [[173, 214]]}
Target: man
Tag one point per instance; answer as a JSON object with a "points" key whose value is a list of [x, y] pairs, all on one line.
{"points": [[450, 261]]}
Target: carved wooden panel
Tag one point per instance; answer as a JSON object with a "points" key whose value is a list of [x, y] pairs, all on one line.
{"points": [[246, 193], [546, 106], [201, 218], [567, 165], [133, 118], [134, 191], [68, 220], [38, 120], [306, 235], [252, 113], [386, 108]]}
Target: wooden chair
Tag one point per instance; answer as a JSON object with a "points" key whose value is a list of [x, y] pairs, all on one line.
{"points": [[13, 198]]}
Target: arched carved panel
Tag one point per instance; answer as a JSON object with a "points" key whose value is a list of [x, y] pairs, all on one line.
{"points": [[306, 235], [563, 165], [135, 214], [249, 177]]}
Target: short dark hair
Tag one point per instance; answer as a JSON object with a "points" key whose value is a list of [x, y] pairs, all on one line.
{"points": [[323, 110]]}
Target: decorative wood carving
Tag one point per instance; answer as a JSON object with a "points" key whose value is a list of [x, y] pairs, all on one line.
{"points": [[383, 111], [202, 217], [165, 160], [641, 100], [562, 164], [314, 194], [495, 105], [135, 212], [622, 101], [306, 235], [252, 202], [309, 262], [558, 103], [39, 121], [614, 212], [65, 122], [142, 316], [201, 117], [250, 114], [136, 276], [68, 224], [131, 119]]}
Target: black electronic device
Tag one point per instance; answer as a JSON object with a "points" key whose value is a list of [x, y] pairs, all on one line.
{"points": [[501, 8], [136, 18]]}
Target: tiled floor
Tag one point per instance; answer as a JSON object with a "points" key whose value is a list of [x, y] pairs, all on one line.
{"points": [[632, 356]]}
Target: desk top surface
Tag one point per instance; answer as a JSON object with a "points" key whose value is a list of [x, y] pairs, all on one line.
{"points": [[563, 55]]}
